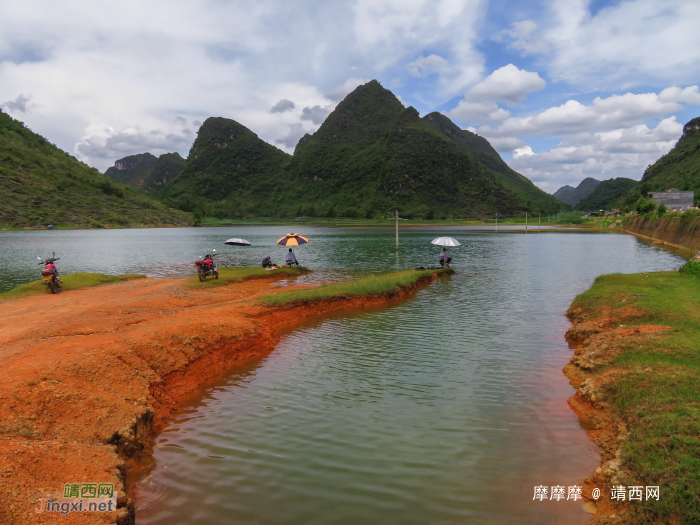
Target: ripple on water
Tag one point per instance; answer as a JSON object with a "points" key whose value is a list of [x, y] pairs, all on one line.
{"points": [[445, 408]]}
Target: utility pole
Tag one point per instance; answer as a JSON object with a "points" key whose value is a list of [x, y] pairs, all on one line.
{"points": [[539, 222], [397, 229], [496, 222], [525, 222]]}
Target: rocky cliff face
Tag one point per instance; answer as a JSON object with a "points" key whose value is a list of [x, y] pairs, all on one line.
{"points": [[132, 170], [146, 171]]}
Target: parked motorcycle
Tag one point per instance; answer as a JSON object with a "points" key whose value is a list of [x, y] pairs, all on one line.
{"points": [[206, 266], [50, 273]]}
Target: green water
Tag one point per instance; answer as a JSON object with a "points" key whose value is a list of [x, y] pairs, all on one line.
{"points": [[448, 407]]}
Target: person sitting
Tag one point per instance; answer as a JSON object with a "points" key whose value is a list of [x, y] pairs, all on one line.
{"points": [[267, 262], [445, 259], [291, 259]]}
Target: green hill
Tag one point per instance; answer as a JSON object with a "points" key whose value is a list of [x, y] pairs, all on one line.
{"points": [[230, 172], [133, 169], [481, 148], [370, 157], [147, 172], [605, 193], [679, 168], [572, 196], [41, 184]]}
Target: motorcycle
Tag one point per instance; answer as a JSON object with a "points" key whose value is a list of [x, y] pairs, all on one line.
{"points": [[50, 273], [206, 266]]}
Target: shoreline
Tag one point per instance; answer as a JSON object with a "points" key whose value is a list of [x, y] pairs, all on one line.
{"points": [[634, 340], [87, 385]]}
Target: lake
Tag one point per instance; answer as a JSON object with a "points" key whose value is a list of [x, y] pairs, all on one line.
{"points": [[447, 407]]}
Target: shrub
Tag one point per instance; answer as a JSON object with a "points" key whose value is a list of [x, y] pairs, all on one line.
{"points": [[691, 268], [661, 210]]}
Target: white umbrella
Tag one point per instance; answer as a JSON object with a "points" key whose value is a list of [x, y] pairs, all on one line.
{"points": [[445, 241], [237, 242]]}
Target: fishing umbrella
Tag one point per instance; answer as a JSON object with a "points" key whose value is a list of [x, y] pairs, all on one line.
{"points": [[445, 241], [292, 239], [237, 242]]}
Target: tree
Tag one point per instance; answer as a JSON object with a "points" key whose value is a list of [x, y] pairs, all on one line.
{"points": [[661, 210], [644, 205]]}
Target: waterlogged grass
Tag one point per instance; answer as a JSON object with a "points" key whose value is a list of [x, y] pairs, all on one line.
{"points": [[365, 286], [70, 281], [658, 390], [228, 275]]}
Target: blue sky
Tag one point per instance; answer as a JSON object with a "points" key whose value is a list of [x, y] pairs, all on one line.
{"points": [[564, 90]]}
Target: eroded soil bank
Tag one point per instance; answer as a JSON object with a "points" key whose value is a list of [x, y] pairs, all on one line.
{"points": [[88, 376], [678, 232], [635, 365]]}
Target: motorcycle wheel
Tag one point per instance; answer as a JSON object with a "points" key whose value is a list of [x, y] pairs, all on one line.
{"points": [[52, 287], [216, 275], [202, 276]]}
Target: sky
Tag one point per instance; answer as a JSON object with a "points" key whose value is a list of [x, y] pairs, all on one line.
{"points": [[563, 89]]}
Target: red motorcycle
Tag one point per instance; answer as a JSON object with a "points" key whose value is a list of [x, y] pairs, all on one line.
{"points": [[206, 266], [50, 273]]}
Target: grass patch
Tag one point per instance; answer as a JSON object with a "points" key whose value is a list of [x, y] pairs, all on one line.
{"points": [[366, 286], [228, 275], [71, 281], [658, 393]]}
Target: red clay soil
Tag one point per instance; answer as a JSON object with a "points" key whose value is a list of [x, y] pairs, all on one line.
{"points": [[88, 376], [596, 341]]}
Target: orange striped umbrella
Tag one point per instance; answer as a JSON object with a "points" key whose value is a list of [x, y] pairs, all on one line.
{"points": [[292, 239]]}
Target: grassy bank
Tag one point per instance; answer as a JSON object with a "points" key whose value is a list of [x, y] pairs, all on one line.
{"points": [[229, 275], [653, 384], [70, 281], [367, 286]]}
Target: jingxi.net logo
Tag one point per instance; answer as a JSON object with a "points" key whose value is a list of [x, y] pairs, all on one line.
{"points": [[81, 497]]}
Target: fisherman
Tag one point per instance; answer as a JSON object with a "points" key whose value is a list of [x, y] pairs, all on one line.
{"points": [[445, 259], [267, 262], [291, 259]]}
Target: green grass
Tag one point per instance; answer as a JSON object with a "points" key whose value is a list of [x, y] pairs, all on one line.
{"points": [[367, 286], [658, 393], [229, 275], [71, 281]]}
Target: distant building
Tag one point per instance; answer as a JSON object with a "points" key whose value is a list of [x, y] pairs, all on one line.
{"points": [[673, 198]]}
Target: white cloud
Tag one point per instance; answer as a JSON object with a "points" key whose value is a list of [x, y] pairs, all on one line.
{"points": [[240, 59], [614, 112], [603, 155], [525, 151], [507, 84], [103, 142], [479, 112], [424, 66], [520, 35], [633, 42]]}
